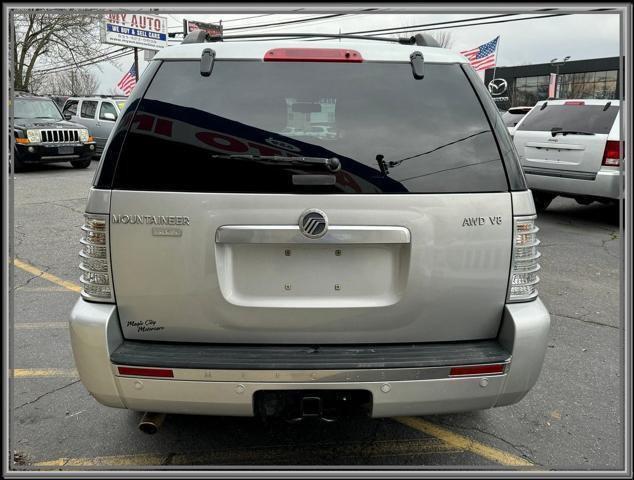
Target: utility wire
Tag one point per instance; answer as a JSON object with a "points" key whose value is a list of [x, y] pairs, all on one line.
{"points": [[437, 23], [408, 28], [267, 25], [65, 63], [288, 22], [87, 62], [477, 24], [372, 33]]}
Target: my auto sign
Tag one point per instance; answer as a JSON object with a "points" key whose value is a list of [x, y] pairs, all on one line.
{"points": [[144, 31]]}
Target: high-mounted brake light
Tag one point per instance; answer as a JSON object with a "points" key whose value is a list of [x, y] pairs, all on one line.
{"points": [[313, 55], [612, 153], [574, 103], [146, 372], [488, 369]]}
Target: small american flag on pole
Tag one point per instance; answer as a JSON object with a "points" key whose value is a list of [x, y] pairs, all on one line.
{"points": [[482, 57], [128, 81]]}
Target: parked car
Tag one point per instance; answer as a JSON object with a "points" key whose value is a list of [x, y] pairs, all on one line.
{"points": [[98, 114], [228, 269], [572, 148], [43, 135], [321, 131], [512, 117]]}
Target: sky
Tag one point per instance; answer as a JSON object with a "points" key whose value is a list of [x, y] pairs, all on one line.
{"points": [[581, 36]]}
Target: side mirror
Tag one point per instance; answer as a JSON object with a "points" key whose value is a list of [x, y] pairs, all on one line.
{"points": [[109, 116], [67, 116]]}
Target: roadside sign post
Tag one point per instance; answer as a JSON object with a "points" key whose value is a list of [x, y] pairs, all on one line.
{"points": [[144, 31], [148, 32]]}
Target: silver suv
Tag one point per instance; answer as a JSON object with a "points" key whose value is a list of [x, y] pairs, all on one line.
{"points": [[231, 268], [97, 114]]}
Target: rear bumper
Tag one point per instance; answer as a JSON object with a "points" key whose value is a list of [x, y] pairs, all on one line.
{"points": [[606, 184], [95, 335]]}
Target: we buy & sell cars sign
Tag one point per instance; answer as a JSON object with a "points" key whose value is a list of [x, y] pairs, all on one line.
{"points": [[144, 31]]}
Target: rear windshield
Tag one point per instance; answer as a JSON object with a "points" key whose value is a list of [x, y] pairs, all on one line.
{"points": [[390, 132], [578, 118]]}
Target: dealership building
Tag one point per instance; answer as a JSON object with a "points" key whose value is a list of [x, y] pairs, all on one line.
{"points": [[525, 85]]}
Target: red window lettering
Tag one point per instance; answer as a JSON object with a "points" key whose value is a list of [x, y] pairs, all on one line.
{"points": [[222, 142], [265, 150], [144, 122], [163, 127]]}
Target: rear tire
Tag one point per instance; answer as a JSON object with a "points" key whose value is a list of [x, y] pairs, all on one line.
{"points": [[542, 200], [80, 163]]}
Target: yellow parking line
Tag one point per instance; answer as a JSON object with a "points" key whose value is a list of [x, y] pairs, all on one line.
{"points": [[46, 276], [450, 438], [265, 454], [43, 372], [464, 443], [39, 325]]}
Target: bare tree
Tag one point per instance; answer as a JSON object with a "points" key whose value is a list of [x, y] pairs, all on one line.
{"points": [[73, 83], [52, 40], [443, 37]]}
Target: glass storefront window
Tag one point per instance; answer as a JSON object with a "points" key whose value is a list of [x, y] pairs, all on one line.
{"points": [[529, 90]]}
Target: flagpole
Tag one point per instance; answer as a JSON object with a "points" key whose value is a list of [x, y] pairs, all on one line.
{"points": [[497, 47], [136, 63]]}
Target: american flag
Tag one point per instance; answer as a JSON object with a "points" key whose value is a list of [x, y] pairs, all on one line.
{"points": [[128, 81], [483, 56]]}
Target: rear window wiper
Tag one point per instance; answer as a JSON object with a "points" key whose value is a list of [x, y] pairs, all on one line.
{"points": [[557, 131], [333, 164]]}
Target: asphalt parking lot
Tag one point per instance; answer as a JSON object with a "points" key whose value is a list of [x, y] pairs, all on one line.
{"points": [[572, 419]]}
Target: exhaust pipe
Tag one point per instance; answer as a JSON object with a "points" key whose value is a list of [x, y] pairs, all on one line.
{"points": [[151, 422]]}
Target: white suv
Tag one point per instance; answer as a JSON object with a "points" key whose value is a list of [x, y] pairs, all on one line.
{"points": [[572, 148], [230, 268]]}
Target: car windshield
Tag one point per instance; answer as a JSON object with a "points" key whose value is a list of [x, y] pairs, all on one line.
{"points": [[40, 108]]}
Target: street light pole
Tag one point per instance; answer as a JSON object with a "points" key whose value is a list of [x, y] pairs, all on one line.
{"points": [[557, 64]]}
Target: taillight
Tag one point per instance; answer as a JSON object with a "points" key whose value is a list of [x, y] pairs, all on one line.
{"points": [[96, 278], [574, 102], [524, 266], [612, 153], [312, 55]]}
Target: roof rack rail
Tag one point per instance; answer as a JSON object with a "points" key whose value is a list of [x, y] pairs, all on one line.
{"points": [[421, 39]]}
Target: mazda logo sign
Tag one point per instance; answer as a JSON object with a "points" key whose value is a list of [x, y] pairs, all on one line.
{"points": [[313, 223], [497, 86]]}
